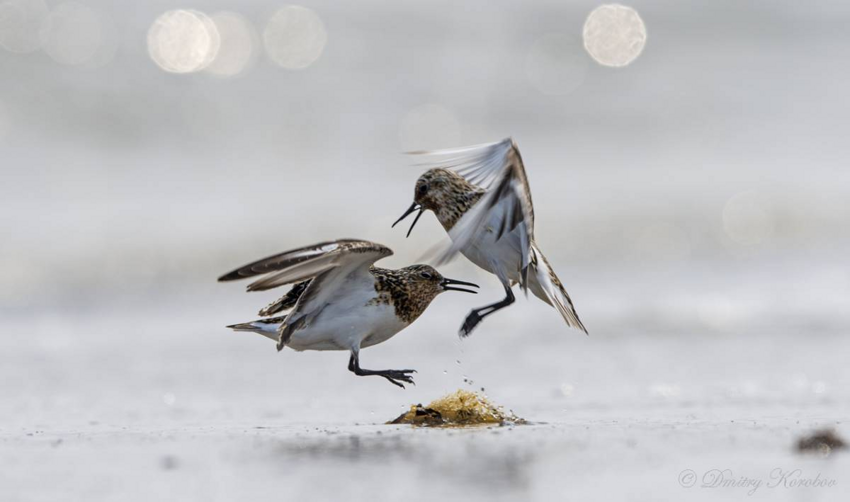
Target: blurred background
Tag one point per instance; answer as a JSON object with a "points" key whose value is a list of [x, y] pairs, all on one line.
{"points": [[691, 188]]}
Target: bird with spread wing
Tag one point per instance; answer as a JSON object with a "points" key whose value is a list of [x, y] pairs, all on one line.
{"points": [[340, 300], [480, 195]]}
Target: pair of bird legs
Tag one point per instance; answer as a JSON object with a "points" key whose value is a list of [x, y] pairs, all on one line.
{"points": [[472, 320]]}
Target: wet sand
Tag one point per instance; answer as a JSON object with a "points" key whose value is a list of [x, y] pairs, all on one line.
{"points": [[162, 403]]}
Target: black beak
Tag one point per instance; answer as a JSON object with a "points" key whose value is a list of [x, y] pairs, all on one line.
{"points": [[446, 284], [413, 207]]}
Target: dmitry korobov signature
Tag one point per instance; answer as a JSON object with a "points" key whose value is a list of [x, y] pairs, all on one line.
{"points": [[778, 478]]}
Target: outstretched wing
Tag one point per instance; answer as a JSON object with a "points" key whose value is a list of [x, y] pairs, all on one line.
{"points": [[304, 263], [498, 168], [328, 264]]}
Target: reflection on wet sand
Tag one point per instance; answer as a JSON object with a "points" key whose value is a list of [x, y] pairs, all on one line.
{"points": [[471, 459]]}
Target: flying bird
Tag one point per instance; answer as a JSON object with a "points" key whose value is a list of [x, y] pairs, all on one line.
{"points": [[340, 300], [480, 195]]}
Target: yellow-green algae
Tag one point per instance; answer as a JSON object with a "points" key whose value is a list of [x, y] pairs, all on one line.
{"points": [[458, 409]]}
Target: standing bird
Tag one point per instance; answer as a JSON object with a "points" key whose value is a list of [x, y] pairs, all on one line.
{"points": [[480, 195], [340, 301]]}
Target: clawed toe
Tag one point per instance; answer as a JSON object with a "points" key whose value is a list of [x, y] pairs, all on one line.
{"points": [[395, 375], [469, 324], [394, 382], [402, 375]]}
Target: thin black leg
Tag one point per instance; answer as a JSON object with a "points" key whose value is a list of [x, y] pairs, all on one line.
{"points": [[478, 315], [392, 375]]}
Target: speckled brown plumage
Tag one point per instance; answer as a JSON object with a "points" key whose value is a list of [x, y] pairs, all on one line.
{"points": [[446, 193], [409, 290], [405, 289]]}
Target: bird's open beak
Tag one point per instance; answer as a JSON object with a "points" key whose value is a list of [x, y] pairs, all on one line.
{"points": [[413, 207], [446, 284]]}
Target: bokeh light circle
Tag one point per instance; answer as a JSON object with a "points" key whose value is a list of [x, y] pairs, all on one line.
{"points": [[295, 37], [20, 24], [614, 35], [183, 41], [72, 33], [239, 46], [108, 47]]}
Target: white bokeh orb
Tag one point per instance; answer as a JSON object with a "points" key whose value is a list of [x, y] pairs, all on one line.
{"points": [[109, 42], [555, 64], [20, 23], [614, 35], [295, 37], [183, 41], [239, 46], [427, 127], [72, 33]]}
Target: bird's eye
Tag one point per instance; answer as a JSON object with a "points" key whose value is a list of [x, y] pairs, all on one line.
{"points": [[425, 275], [423, 189]]}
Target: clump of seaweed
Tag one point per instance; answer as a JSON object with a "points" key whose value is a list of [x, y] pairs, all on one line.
{"points": [[461, 408], [822, 442]]}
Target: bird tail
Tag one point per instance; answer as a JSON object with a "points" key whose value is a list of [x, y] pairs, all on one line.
{"points": [[546, 286], [266, 327]]}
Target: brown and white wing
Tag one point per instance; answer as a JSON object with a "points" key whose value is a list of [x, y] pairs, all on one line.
{"points": [[498, 168], [304, 263], [329, 265], [349, 273]]}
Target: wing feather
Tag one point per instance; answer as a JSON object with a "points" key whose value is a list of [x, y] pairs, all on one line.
{"points": [[304, 263], [350, 268], [327, 265], [498, 169], [282, 261]]}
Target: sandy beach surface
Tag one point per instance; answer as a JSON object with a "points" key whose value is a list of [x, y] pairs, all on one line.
{"points": [[163, 403]]}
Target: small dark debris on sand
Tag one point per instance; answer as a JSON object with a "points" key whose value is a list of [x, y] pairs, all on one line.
{"points": [[168, 462], [822, 442], [461, 408]]}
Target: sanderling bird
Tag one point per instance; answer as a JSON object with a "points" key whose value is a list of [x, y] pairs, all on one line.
{"points": [[481, 196], [340, 301]]}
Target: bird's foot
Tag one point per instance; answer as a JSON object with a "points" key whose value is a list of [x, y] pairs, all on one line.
{"points": [[395, 375], [470, 323]]}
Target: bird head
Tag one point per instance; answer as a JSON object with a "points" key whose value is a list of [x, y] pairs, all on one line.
{"points": [[426, 281], [436, 190]]}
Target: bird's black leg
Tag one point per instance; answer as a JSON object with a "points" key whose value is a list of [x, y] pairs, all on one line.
{"points": [[478, 315], [392, 375]]}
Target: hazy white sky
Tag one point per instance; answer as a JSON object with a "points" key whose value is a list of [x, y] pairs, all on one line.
{"points": [[731, 102]]}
